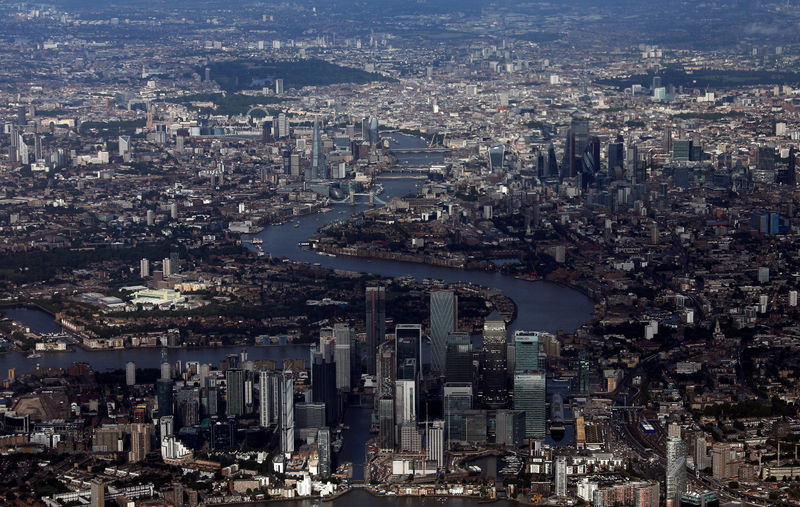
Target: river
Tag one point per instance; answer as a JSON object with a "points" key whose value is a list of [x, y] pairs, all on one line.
{"points": [[361, 498], [540, 306]]}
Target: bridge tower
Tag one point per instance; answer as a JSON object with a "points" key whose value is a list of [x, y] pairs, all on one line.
{"points": [[352, 197]]}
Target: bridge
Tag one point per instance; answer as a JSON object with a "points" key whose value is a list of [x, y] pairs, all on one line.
{"points": [[352, 199], [421, 150]]}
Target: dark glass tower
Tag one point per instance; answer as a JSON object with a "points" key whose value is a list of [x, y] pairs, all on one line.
{"points": [[444, 318], [376, 323]]}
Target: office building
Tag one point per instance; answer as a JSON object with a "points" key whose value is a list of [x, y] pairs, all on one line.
{"points": [[509, 427], [494, 362], [164, 397], [385, 375], [344, 357], [410, 438], [458, 358], [309, 415], [386, 423], [279, 86], [234, 382], [457, 399], [376, 324], [323, 387], [318, 171], [444, 320], [526, 351], [408, 351], [405, 401], [144, 268], [529, 397]]}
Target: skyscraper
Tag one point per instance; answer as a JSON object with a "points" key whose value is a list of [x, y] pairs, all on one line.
{"points": [[529, 396], [616, 158], [317, 157], [164, 397], [385, 375], [376, 323], [405, 401], [323, 387], [408, 351], [561, 476], [344, 356], [444, 319], [234, 380], [287, 413], [130, 373], [526, 349], [434, 442], [458, 359], [386, 429], [676, 470], [577, 140], [457, 399], [324, 451], [140, 442], [268, 397], [494, 361], [374, 137]]}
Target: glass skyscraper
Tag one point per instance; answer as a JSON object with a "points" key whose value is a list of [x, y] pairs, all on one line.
{"points": [[529, 396], [376, 323], [494, 361], [444, 318]]}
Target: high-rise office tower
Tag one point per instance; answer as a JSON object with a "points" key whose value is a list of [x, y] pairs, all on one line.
{"points": [[444, 319], [552, 163], [234, 380], [509, 427], [590, 161], [494, 361], [279, 86], [408, 351], [166, 427], [376, 324], [317, 157], [434, 442], [323, 387], [457, 399], [496, 157], [344, 356], [144, 268], [130, 373], [616, 158], [385, 375], [405, 401], [374, 137], [529, 396], [386, 426], [577, 140], [676, 470], [324, 451], [287, 413], [164, 397], [526, 351], [458, 359], [561, 476]]}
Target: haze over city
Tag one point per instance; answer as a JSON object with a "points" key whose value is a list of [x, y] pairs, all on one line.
{"points": [[399, 253]]}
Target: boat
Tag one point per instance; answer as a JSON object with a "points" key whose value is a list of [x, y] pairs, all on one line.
{"points": [[34, 355], [557, 428], [256, 241], [297, 225]]}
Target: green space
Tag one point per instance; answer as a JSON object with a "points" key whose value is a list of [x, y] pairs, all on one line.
{"points": [[229, 104], [239, 75], [712, 78], [112, 128]]}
